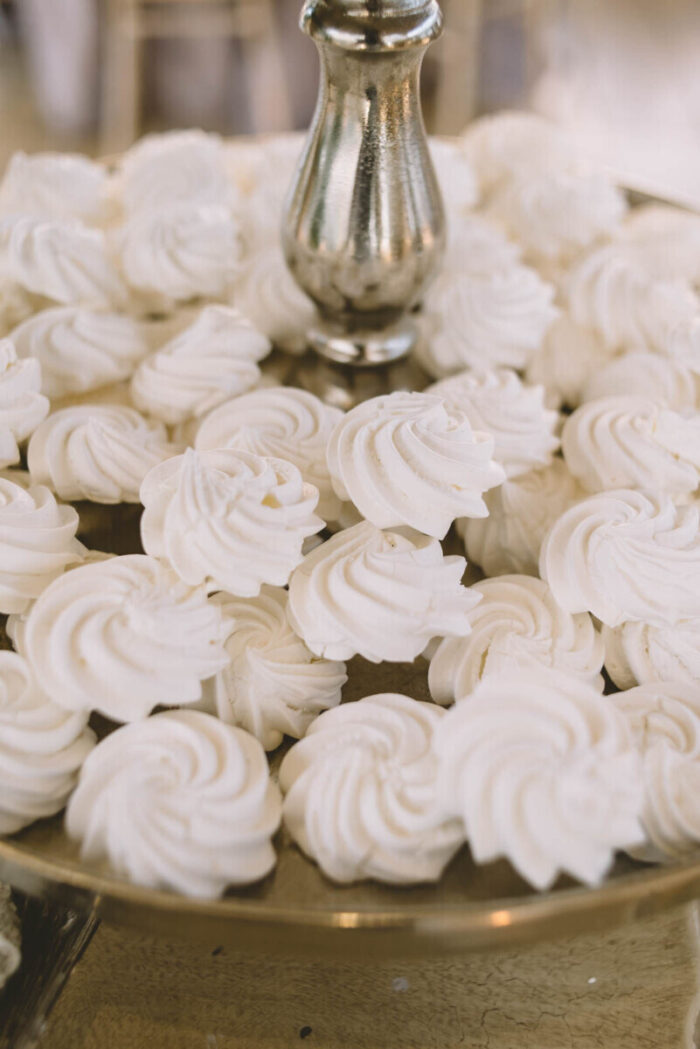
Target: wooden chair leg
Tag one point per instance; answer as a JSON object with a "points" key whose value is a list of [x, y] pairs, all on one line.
{"points": [[121, 80], [456, 94], [270, 105]]}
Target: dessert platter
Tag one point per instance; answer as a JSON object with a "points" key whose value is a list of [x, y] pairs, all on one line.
{"points": [[299, 658]]}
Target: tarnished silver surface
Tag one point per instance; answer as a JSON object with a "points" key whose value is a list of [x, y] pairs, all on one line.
{"points": [[364, 228]]}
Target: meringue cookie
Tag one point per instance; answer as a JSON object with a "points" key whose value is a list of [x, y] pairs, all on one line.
{"points": [[569, 357], [665, 240], [189, 250], [541, 768], [283, 423], [22, 407], [632, 442], [80, 349], [475, 245], [664, 720], [360, 793], [511, 143], [556, 215], [211, 360], [485, 319], [123, 636], [626, 555], [100, 452], [37, 542], [520, 513], [54, 185], [179, 167], [665, 380], [496, 402], [229, 519], [683, 344], [268, 295], [42, 748], [411, 459], [455, 175], [381, 595], [64, 261], [273, 685], [517, 624], [202, 808], [639, 653], [611, 293]]}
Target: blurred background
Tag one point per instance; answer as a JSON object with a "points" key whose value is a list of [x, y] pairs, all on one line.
{"points": [[622, 76]]}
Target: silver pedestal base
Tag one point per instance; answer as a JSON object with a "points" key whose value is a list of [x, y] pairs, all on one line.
{"points": [[364, 348]]}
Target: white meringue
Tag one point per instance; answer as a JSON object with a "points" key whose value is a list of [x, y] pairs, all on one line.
{"points": [[64, 261], [80, 349], [665, 240], [455, 176], [662, 379], [100, 452], [229, 519], [361, 792], [625, 555], [54, 185], [683, 344], [570, 355], [201, 806], [37, 542], [381, 595], [16, 305], [268, 295], [556, 215], [42, 748], [542, 770], [496, 402], [475, 245], [411, 459], [632, 442], [273, 685], [516, 624], [123, 636], [212, 359], [611, 293], [22, 406], [179, 167], [520, 513], [186, 251], [510, 143], [639, 653], [484, 320], [284, 423], [665, 723]]}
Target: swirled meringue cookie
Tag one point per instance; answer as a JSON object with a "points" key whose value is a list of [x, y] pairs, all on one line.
{"points": [[283, 423], [626, 555], [496, 402], [381, 595], [80, 349], [664, 720], [508, 144], [611, 293], [475, 245], [273, 685], [411, 459], [665, 380], [54, 185], [360, 793], [229, 519], [268, 295], [64, 261], [683, 344], [516, 624], [520, 513], [542, 769], [37, 542], [123, 636], [22, 406], [556, 215], [485, 319], [202, 808], [42, 747], [570, 355], [100, 452], [640, 653], [186, 251], [211, 360], [666, 241], [179, 167], [455, 175], [632, 442]]}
